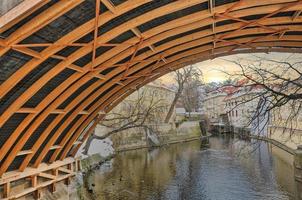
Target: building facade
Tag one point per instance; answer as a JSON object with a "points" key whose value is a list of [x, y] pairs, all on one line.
{"points": [[243, 107], [237, 106], [214, 104]]}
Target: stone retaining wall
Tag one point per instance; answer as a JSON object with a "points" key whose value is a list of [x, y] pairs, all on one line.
{"points": [[167, 133]]}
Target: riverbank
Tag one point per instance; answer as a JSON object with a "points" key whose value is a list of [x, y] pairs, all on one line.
{"points": [[274, 142], [188, 171], [174, 141], [95, 161], [165, 133], [294, 150]]}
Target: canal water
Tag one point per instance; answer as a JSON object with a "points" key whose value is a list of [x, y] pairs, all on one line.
{"points": [[229, 169]]}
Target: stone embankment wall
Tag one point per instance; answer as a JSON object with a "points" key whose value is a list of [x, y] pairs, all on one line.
{"points": [[166, 133], [290, 138]]}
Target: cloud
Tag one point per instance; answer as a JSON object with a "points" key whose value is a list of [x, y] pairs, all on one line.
{"points": [[213, 69]]}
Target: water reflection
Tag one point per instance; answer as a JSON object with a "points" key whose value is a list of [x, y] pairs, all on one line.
{"points": [[184, 171]]}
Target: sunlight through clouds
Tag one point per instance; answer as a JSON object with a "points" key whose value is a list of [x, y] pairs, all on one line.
{"points": [[214, 70]]}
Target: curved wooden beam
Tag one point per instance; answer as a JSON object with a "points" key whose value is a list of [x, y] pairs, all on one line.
{"points": [[70, 134], [66, 138], [204, 36], [71, 118], [54, 93], [38, 22], [30, 116], [15, 151], [181, 29], [74, 35], [169, 52], [84, 50], [38, 84], [69, 38]]}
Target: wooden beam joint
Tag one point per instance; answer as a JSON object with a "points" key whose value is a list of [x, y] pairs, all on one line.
{"points": [[109, 5]]}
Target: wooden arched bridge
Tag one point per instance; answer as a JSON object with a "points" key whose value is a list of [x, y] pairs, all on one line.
{"points": [[65, 63]]}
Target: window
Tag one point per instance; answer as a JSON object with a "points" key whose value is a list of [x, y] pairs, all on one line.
{"points": [[236, 114]]}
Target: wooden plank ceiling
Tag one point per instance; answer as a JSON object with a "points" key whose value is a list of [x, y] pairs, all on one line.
{"points": [[67, 63]]}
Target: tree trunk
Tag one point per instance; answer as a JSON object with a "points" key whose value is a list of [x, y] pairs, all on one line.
{"points": [[177, 95]]}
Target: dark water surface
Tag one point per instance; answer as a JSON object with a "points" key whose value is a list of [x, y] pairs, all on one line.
{"points": [[225, 171]]}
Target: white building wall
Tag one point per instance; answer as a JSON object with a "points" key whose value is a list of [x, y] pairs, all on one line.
{"points": [[214, 106], [241, 111]]}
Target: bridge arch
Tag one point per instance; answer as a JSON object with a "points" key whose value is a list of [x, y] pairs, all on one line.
{"points": [[62, 65]]}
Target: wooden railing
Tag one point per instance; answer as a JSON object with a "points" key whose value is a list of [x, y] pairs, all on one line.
{"points": [[33, 180]]}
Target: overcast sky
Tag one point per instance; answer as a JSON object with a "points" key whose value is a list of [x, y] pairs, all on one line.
{"points": [[212, 68]]}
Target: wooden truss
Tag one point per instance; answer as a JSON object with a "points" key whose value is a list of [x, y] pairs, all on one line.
{"points": [[126, 77], [39, 178], [257, 22]]}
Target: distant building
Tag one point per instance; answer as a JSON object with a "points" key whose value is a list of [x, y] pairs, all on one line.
{"points": [[160, 93], [154, 91], [236, 106], [241, 108], [214, 105]]}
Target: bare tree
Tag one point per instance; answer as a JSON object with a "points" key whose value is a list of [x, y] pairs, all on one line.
{"points": [[191, 96], [280, 97], [182, 76], [142, 112]]}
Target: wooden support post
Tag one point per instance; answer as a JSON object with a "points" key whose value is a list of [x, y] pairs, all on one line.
{"points": [[37, 194], [79, 163], [70, 166], [6, 190], [75, 167], [52, 187], [67, 181], [56, 172], [33, 174], [34, 183], [69, 170]]}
